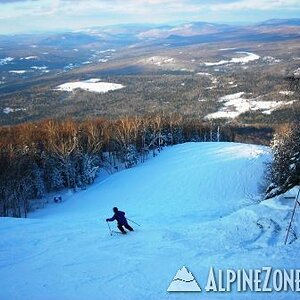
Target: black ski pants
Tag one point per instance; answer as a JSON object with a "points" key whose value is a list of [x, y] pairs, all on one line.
{"points": [[127, 226]]}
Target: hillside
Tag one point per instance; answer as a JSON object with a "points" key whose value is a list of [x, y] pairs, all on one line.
{"points": [[198, 206]]}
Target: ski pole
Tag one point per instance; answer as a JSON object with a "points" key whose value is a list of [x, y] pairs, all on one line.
{"points": [[133, 222], [109, 228]]}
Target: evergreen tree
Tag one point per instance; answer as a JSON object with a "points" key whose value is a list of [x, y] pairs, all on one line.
{"points": [[285, 169]]}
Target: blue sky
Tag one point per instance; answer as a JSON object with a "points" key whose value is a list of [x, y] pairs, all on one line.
{"points": [[39, 15]]}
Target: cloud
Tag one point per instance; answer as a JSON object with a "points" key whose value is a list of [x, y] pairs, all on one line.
{"points": [[13, 1], [165, 6], [38, 14], [168, 7], [257, 5]]}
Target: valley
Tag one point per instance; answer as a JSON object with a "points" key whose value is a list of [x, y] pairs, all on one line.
{"points": [[158, 73]]}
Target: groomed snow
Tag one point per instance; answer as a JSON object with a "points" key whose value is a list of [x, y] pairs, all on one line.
{"points": [[91, 85], [236, 104], [248, 57], [197, 206]]}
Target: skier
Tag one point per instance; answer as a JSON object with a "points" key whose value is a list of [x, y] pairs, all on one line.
{"points": [[122, 221]]}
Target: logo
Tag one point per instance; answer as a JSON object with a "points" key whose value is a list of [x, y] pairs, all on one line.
{"points": [[184, 281], [265, 279]]}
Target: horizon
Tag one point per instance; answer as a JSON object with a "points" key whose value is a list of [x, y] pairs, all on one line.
{"points": [[123, 25], [151, 25], [38, 16]]}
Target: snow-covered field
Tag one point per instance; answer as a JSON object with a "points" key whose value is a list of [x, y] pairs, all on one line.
{"points": [[197, 206], [8, 110], [246, 58], [159, 60], [226, 49], [20, 72], [107, 50], [270, 60], [30, 57], [43, 69], [91, 85], [286, 93], [6, 60], [236, 104]]}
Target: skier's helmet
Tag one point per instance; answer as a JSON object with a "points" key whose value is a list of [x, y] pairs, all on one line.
{"points": [[115, 209]]}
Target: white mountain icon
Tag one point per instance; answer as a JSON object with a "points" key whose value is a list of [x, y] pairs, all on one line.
{"points": [[184, 281]]}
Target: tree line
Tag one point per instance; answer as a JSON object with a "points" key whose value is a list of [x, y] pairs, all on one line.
{"points": [[37, 158], [51, 155]]}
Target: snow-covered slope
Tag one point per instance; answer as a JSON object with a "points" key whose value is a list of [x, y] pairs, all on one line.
{"points": [[196, 203]]}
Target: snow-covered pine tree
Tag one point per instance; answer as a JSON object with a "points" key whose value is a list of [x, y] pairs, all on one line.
{"points": [[38, 183], [285, 169], [131, 156], [87, 166], [52, 174]]}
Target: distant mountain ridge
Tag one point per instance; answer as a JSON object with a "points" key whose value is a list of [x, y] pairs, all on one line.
{"points": [[117, 36], [287, 22]]}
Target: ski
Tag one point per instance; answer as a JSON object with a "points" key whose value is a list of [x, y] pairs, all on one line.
{"points": [[118, 232], [113, 231]]}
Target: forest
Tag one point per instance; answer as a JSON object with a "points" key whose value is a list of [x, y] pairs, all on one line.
{"points": [[37, 158]]}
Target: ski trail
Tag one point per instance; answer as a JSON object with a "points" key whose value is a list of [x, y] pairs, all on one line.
{"points": [[193, 204]]}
